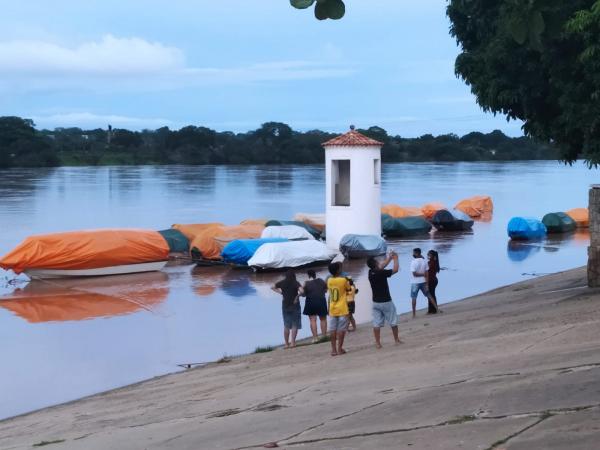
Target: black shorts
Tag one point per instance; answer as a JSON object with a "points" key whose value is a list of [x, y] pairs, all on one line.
{"points": [[315, 307], [351, 307]]}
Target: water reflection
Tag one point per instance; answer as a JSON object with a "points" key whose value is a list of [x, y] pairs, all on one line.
{"points": [[273, 180], [519, 251], [84, 299]]}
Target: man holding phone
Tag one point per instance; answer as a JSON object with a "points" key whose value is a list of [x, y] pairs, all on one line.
{"points": [[384, 309]]}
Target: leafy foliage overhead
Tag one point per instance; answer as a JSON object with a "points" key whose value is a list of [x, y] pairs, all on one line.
{"points": [[536, 61], [324, 9]]}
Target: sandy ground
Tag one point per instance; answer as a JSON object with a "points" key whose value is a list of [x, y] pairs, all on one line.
{"points": [[515, 368]]}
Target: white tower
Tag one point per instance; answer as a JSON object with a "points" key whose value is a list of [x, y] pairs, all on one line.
{"points": [[353, 186]]}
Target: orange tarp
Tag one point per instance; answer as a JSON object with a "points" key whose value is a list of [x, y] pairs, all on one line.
{"points": [[211, 241], [87, 250], [260, 222], [401, 211], [316, 221], [192, 230], [581, 216], [89, 298], [430, 209], [477, 206]]}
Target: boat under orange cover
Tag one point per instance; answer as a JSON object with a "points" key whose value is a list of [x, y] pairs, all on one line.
{"points": [[92, 249]]}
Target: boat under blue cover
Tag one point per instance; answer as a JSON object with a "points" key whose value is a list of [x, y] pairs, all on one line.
{"points": [[526, 228], [241, 250]]}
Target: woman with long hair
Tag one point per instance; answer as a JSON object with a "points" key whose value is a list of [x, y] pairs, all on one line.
{"points": [[433, 261], [314, 290]]}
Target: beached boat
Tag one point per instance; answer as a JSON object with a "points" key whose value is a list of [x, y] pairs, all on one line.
{"points": [[289, 232], [362, 246], [312, 230], [88, 253], [238, 252], [525, 229], [395, 227], [559, 222], [445, 220], [292, 254]]}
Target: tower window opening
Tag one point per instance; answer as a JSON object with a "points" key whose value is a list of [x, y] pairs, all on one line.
{"points": [[340, 182]]}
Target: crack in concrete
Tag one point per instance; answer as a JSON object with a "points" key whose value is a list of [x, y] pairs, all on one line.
{"points": [[543, 415], [548, 338]]}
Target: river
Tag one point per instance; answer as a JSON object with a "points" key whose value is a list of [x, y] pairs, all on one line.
{"points": [[65, 341]]}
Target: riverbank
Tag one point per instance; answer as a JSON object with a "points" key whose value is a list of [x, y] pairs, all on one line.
{"points": [[514, 368]]}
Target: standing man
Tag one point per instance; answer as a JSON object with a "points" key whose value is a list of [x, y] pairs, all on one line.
{"points": [[289, 289], [384, 309], [338, 288], [418, 270]]}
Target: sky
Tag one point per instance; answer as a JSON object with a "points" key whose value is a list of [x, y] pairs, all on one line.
{"points": [[234, 64]]}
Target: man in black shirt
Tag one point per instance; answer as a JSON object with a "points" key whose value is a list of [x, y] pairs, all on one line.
{"points": [[384, 309]]}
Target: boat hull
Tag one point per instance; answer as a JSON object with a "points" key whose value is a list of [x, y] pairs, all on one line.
{"points": [[98, 272]]}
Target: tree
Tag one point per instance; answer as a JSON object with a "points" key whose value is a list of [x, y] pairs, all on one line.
{"points": [[536, 61]]}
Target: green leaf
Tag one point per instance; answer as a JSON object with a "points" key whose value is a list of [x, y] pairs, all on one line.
{"points": [[321, 11], [536, 23], [335, 9], [301, 4], [518, 29]]}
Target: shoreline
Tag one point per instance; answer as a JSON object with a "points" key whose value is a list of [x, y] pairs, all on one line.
{"points": [[198, 391]]}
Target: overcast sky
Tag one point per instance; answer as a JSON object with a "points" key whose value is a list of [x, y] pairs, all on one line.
{"points": [[234, 64]]}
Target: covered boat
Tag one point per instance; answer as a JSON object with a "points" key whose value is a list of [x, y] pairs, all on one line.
{"points": [[191, 230], [581, 216], [260, 222], [241, 250], [430, 209], [316, 221], [290, 255], [477, 207], [362, 246], [397, 211], [176, 240], [404, 226], [289, 232], [209, 243], [88, 253], [312, 230], [525, 229], [559, 222], [454, 220]]}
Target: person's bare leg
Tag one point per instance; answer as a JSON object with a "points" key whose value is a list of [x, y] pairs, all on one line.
{"points": [[377, 334], [414, 307], [395, 333], [340, 345], [286, 337], [352, 323], [333, 336], [313, 327], [294, 334], [324, 326]]}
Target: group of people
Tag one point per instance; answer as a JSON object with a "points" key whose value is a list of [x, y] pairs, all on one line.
{"points": [[334, 298]]}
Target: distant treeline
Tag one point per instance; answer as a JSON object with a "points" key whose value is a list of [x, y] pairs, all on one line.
{"points": [[22, 145]]}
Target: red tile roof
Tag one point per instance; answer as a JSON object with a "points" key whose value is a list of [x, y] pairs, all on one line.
{"points": [[352, 139]]}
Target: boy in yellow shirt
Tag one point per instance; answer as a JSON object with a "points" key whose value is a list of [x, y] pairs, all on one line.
{"points": [[338, 288]]}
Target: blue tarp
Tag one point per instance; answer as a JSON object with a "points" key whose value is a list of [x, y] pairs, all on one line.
{"points": [[241, 250], [526, 228]]}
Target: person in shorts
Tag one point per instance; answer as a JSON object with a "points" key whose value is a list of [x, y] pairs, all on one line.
{"points": [[384, 309], [314, 290], [289, 288], [418, 271], [351, 305], [337, 287]]}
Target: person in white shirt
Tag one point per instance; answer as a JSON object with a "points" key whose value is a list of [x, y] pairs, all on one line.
{"points": [[418, 270]]}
